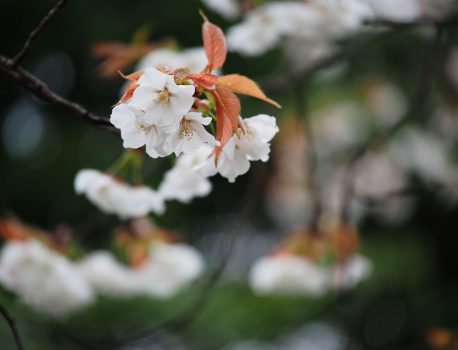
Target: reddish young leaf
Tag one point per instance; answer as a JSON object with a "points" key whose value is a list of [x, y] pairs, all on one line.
{"points": [[132, 86], [227, 114], [245, 86], [214, 44], [13, 229], [205, 80]]}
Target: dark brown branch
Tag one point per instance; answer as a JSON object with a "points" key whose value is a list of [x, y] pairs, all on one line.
{"points": [[12, 324], [40, 89], [34, 33]]}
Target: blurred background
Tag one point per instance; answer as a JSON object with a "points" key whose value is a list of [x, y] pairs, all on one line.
{"points": [[400, 82]]}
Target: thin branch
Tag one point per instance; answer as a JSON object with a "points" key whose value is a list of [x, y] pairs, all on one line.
{"points": [[300, 100], [34, 34], [40, 89], [12, 324]]}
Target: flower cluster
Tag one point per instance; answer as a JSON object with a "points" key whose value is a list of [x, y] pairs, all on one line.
{"points": [[311, 264], [43, 279], [167, 270], [315, 23], [49, 282], [113, 196], [168, 108]]}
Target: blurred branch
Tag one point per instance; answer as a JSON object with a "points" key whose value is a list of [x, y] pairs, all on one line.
{"points": [[34, 33], [301, 107], [429, 67], [40, 89], [12, 324]]}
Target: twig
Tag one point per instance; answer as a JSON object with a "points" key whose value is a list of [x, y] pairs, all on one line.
{"points": [[301, 107], [40, 89], [12, 324], [34, 34]]}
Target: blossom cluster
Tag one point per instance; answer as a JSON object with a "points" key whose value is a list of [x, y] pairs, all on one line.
{"points": [[311, 264], [308, 30], [177, 104], [49, 282]]}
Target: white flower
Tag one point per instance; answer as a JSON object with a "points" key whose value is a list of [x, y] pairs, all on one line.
{"points": [[253, 144], [184, 182], [43, 279], [193, 59], [115, 197], [406, 10], [190, 135], [163, 101], [136, 132], [349, 274], [226, 8], [426, 155], [318, 22], [169, 269], [287, 274], [107, 276], [257, 34]]}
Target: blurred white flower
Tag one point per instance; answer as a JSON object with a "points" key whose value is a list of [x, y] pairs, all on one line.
{"points": [[403, 11], [116, 197], [338, 127], [317, 22], [287, 274], [169, 269], [426, 155], [43, 279], [190, 135], [264, 26], [227, 8], [193, 59], [106, 275], [386, 101], [252, 144], [162, 101], [184, 182], [379, 175], [352, 272]]}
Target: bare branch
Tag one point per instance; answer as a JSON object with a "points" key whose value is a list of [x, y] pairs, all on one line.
{"points": [[40, 89], [12, 324], [34, 33]]}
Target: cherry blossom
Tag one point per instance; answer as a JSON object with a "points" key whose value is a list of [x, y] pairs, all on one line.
{"points": [[184, 182], [136, 132], [193, 59], [168, 269], [43, 279], [115, 197], [251, 144], [348, 274], [162, 101], [229, 9], [288, 274], [190, 135]]}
